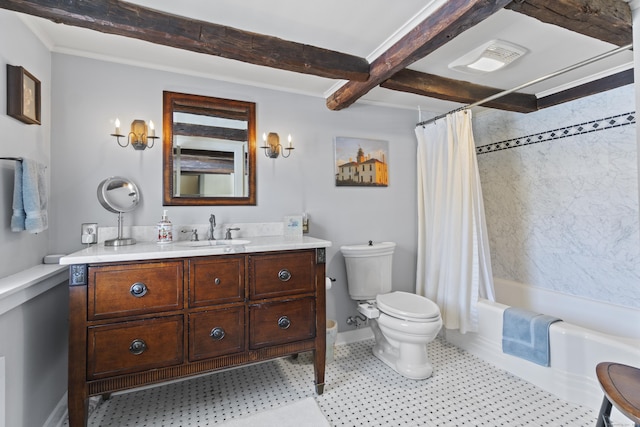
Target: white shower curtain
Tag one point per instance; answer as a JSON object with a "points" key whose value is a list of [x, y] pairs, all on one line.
{"points": [[454, 263]]}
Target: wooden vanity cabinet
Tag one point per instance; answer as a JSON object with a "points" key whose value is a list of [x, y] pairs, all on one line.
{"points": [[142, 322]]}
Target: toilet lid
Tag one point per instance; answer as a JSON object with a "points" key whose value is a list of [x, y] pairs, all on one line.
{"points": [[407, 306]]}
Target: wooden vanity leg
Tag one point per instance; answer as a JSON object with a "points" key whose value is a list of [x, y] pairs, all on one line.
{"points": [[318, 369], [78, 398], [320, 352], [78, 409]]}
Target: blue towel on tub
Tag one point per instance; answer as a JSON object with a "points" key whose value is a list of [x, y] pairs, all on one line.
{"points": [[525, 334]]}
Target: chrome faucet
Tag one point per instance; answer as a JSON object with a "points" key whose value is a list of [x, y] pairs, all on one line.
{"points": [[227, 236], [194, 234], [212, 227]]}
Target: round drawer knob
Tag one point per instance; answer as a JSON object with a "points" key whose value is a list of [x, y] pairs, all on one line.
{"points": [[284, 322], [137, 347], [284, 275], [138, 289], [217, 333], [216, 280]]}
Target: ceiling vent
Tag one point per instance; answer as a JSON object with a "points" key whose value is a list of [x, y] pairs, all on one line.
{"points": [[489, 57]]}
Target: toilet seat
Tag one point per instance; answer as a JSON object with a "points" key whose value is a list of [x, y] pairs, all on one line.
{"points": [[405, 305]]}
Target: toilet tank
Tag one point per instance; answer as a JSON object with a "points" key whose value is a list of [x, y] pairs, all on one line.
{"points": [[369, 269]]}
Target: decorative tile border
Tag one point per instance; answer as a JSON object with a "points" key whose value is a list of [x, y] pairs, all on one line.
{"points": [[593, 126]]}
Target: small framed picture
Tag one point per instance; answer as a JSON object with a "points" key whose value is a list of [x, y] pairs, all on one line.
{"points": [[23, 95]]}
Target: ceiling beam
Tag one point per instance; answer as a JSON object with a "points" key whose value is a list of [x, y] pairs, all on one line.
{"points": [[606, 20], [468, 93], [440, 27], [131, 20], [463, 92], [613, 81]]}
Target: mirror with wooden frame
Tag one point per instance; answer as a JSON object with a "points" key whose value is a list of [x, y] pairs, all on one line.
{"points": [[209, 150]]}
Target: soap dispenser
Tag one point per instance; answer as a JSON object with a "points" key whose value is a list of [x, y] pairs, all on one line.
{"points": [[165, 229]]}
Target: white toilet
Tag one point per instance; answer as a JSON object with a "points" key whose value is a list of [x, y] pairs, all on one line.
{"points": [[402, 323]]}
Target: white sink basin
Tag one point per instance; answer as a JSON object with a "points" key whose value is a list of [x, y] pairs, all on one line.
{"points": [[204, 243]]}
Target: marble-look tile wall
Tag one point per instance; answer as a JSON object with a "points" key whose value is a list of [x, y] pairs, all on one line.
{"points": [[562, 213]]}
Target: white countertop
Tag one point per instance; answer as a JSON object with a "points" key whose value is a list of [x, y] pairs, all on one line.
{"points": [[152, 250]]}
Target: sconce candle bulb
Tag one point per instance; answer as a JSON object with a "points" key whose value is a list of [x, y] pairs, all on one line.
{"points": [[139, 136], [272, 146]]}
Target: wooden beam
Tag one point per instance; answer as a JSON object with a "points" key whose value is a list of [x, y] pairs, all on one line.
{"points": [[440, 27], [606, 20], [458, 91], [601, 85], [131, 20], [204, 131]]}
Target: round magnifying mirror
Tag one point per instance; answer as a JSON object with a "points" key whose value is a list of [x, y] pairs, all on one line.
{"points": [[117, 194]]}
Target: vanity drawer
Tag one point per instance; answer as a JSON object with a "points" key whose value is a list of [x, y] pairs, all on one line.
{"points": [[124, 290], [282, 322], [121, 348], [281, 274], [216, 333], [216, 280]]}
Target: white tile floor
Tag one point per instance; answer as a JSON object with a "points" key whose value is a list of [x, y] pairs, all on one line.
{"points": [[360, 391]]}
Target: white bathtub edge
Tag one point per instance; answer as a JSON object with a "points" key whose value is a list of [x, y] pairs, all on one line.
{"points": [[578, 389], [611, 319], [575, 351]]}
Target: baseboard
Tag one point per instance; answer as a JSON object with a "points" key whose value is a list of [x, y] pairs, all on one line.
{"points": [[59, 413], [354, 335]]}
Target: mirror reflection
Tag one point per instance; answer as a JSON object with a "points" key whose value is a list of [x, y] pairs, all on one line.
{"points": [[208, 150]]}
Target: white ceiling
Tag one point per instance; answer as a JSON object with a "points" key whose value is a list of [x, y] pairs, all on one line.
{"points": [[359, 27]]}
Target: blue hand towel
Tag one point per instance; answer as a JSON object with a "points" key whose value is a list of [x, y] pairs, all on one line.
{"points": [[30, 197], [18, 216], [525, 334]]}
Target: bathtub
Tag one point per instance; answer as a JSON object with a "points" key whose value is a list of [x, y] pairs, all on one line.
{"points": [[575, 350]]}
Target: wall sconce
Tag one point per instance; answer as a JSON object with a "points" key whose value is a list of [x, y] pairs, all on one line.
{"points": [[139, 135], [272, 147]]}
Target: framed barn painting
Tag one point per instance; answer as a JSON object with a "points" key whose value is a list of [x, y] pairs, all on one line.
{"points": [[361, 162]]}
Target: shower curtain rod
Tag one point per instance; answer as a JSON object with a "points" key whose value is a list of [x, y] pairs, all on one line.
{"points": [[532, 82]]}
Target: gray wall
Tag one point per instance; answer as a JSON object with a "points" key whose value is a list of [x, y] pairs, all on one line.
{"points": [[562, 213], [33, 336], [18, 46], [33, 340], [89, 94]]}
